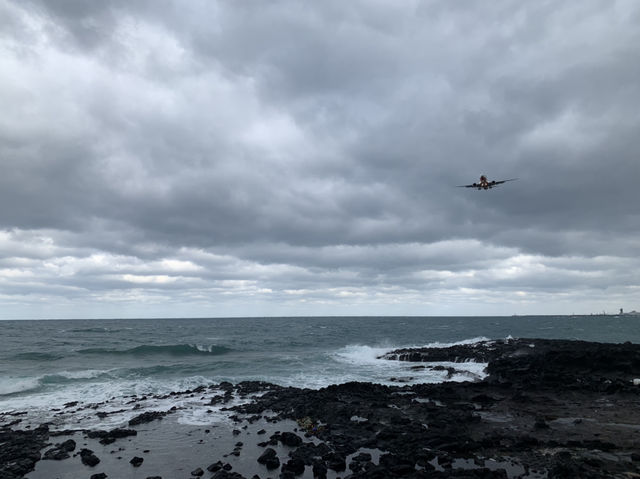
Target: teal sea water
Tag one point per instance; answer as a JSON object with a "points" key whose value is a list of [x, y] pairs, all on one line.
{"points": [[49, 363]]}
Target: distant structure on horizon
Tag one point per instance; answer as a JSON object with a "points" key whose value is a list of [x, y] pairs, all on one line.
{"points": [[621, 313]]}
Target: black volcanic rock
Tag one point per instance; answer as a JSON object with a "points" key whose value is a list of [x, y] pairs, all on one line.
{"points": [[88, 458], [108, 437], [319, 470], [569, 364], [309, 452], [216, 466], [294, 465], [60, 451], [227, 475], [541, 362], [20, 450], [269, 458], [147, 417], [290, 439]]}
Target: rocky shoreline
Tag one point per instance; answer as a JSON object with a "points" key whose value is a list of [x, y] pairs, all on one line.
{"points": [[548, 408]]}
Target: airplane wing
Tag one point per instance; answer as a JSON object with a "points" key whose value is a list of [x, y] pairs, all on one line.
{"points": [[493, 183], [489, 184]]}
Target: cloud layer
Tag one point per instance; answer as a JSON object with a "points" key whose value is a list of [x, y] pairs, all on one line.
{"points": [[225, 158]]}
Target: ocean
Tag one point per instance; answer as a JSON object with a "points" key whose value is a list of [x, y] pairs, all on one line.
{"points": [[47, 364]]}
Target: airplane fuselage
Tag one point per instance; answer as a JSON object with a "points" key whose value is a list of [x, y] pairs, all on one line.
{"points": [[484, 184]]}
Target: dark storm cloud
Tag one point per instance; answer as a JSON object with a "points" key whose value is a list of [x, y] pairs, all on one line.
{"points": [[311, 151]]}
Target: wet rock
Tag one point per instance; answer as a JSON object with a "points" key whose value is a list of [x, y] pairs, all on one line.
{"points": [[197, 472], [136, 461], [290, 439], [88, 458], [362, 457], [60, 451], [109, 437], [269, 458], [100, 475], [540, 423], [336, 462], [397, 465], [20, 450], [309, 452], [294, 465], [146, 417], [227, 475], [319, 470], [216, 466]]}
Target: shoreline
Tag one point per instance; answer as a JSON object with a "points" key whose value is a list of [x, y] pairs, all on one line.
{"points": [[548, 408]]}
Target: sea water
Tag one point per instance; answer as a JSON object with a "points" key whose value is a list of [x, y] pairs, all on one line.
{"points": [[46, 364]]}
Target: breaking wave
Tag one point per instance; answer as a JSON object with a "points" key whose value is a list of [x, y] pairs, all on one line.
{"points": [[9, 386], [97, 330], [170, 349]]}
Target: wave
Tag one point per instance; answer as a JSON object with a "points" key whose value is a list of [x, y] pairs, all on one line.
{"points": [[478, 339], [38, 356], [9, 386], [169, 349], [361, 354], [95, 330], [368, 355], [76, 376]]}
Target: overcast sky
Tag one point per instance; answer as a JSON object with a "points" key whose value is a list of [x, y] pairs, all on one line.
{"points": [[249, 158]]}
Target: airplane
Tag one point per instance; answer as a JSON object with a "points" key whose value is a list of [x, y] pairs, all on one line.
{"points": [[485, 184]]}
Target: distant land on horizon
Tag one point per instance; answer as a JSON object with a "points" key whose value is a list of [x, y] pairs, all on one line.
{"points": [[603, 313]]}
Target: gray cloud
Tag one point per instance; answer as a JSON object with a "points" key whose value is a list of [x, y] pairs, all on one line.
{"points": [[303, 159]]}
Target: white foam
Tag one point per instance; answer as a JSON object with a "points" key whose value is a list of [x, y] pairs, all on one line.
{"points": [[82, 374], [467, 371], [10, 385], [361, 354], [367, 355], [204, 348], [463, 342], [114, 394], [366, 365]]}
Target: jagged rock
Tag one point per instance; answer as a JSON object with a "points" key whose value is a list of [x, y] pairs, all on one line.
{"points": [[216, 466], [109, 437], [336, 462], [146, 417], [294, 465], [269, 458], [227, 475], [290, 439], [60, 451], [88, 458], [319, 470], [20, 450]]}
